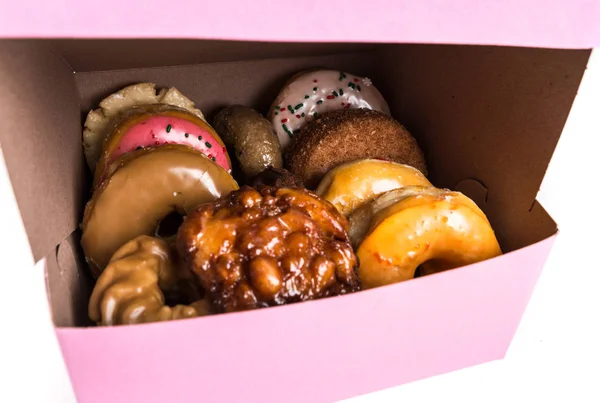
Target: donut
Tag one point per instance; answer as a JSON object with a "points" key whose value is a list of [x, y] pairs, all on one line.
{"points": [[131, 288], [404, 228], [144, 187], [99, 122], [309, 94], [348, 135], [348, 186], [153, 125], [252, 138], [254, 249]]}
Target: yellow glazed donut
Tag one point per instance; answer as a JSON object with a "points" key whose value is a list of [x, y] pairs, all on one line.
{"points": [[404, 228], [350, 185], [144, 187]]}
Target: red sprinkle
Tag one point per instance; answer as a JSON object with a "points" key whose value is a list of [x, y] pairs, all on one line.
{"points": [[330, 97], [347, 106], [284, 120], [356, 80], [343, 103], [298, 116], [156, 142], [209, 155], [282, 109], [224, 150], [314, 81]]}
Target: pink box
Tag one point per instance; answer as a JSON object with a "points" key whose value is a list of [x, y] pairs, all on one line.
{"points": [[488, 118]]}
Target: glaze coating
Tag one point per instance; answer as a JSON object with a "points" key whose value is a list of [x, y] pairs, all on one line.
{"points": [[309, 94], [130, 289], [404, 228], [255, 249], [154, 125], [144, 187], [252, 138], [348, 186]]}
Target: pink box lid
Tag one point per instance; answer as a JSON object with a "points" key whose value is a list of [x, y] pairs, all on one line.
{"points": [[538, 23]]}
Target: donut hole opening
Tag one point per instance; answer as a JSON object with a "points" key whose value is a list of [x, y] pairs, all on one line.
{"points": [[432, 266], [419, 272], [168, 226]]}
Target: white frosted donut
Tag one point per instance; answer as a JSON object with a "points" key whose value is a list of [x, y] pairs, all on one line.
{"points": [[311, 93]]}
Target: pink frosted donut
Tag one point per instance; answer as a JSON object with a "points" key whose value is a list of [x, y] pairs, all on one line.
{"points": [[157, 125], [308, 94]]}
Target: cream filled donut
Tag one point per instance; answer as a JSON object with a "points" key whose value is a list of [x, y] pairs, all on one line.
{"points": [[156, 125], [309, 94]]}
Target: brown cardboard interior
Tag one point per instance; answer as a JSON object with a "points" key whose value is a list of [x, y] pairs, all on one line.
{"points": [[488, 119]]}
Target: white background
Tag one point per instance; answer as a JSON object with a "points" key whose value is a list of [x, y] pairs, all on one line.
{"points": [[555, 354]]}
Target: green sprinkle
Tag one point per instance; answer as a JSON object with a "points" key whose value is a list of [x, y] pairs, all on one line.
{"points": [[276, 113], [296, 131], [358, 87], [319, 102], [341, 78], [315, 114], [200, 138], [306, 97], [315, 89], [278, 107], [290, 108], [303, 114], [351, 85], [341, 91], [187, 135], [139, 148], [208, 144], [335, 93], [285, 128], [298, 106], [214, 159], [168, 128]]}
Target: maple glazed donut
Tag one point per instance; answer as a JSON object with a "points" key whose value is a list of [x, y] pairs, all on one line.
{"points": [[132, 287], [144, 187], [404, 228], [309, 94], [154, 125]]}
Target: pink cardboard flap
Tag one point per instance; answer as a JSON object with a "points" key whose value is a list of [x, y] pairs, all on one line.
{"points": [[317, 351], [536, 23]]}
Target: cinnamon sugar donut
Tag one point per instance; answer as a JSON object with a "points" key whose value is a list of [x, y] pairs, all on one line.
{"points": [[348, 135]]}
